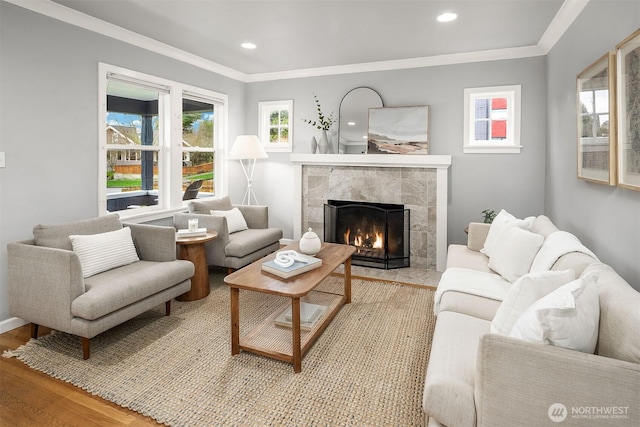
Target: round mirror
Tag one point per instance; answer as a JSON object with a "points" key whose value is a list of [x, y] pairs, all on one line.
{"points": [[354, 119]]}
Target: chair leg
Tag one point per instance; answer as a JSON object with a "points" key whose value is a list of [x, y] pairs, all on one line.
{"points": [[85, 348], [167, 307], [34, 330]]}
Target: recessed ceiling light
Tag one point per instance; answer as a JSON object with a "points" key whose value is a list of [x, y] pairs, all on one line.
{"points": [[248, 45], [351, 123], [447, 17]]}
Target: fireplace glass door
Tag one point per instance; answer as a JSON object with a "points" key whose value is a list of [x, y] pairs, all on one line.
{"points": [[379, 231]]}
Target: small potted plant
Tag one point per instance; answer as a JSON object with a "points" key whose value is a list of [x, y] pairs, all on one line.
{"points": [[323, 123], [489, 216]]}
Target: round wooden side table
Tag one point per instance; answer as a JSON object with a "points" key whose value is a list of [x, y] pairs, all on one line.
{"points": [[193, 249]]}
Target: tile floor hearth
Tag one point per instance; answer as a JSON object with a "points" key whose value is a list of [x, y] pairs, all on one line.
{"points": [[409, 275]]}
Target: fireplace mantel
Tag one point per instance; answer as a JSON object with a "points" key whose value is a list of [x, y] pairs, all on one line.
{"points": [[440, 163]]}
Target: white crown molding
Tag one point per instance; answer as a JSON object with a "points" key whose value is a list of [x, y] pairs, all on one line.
{"points": [[567, 13], [82, 20]]}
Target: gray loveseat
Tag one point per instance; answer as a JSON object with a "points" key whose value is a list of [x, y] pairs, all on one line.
{"points": [[478, 378], [47, 287], [232, 250]]}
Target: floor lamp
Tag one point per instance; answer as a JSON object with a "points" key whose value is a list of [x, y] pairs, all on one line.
{"points": [[248, 147]]}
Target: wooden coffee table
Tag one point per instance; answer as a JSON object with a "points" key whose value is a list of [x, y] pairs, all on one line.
{"points": [[288, 344]]}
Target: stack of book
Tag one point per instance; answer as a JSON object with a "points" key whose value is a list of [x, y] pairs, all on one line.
{"points": [[198, 232], [298, 267], [309, 316]]}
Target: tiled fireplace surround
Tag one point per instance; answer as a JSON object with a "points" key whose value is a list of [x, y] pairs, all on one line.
{"points": [[418, 182]]}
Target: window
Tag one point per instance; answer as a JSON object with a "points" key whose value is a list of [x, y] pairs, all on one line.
{"points": [[492, 120], [274, 121], [156, 138]]}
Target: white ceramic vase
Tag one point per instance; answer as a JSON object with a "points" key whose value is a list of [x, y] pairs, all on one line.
{"points": [[310, 243], [314, 145], [323, 143]]}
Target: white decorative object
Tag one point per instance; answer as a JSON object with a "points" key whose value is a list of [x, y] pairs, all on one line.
{"points": [[323, 143], [193, 224], [314, 145], [310, 243]]}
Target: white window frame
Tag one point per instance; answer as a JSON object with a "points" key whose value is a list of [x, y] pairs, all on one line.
{"points": [[264, 112], [511, 144], [170, 143]]}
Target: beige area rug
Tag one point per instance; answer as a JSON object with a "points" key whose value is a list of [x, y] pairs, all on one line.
{"points": [[367, 368]]}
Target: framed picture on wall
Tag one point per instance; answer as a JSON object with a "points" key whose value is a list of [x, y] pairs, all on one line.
{"points": [[398, 130], [596, 116], [628, 86]]}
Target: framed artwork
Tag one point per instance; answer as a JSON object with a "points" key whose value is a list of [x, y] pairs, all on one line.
{"points": [[274, 125], [398, 130], [628, 86], [596, 118]]}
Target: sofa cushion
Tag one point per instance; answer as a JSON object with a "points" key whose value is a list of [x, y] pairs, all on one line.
{"points": [[205, 206], [57, 235], [235, 220], [567, 317], [503, 220], [523, 293], [104, 251], [619, 335], [513, 253], [449, 384], [249, 241], [463, 257], [542, 225], [117, 288]]}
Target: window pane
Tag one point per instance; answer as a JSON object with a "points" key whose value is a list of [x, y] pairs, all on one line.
{"points": [[482, 108], [602, 101], [284, 134], [284, 117], [498, 129], [274, 118], [132, 179], [197, 147], [273, 135], [586, 101], [482, 130]]}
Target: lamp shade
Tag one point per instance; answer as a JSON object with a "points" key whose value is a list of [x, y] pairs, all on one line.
{"points": [[247, 147]]}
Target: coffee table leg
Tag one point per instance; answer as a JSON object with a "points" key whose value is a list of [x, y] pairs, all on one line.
{"points": [[297, 350], [235, 320], [347, 281]]}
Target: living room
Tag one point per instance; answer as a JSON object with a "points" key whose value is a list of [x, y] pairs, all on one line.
{"points": [[52, 64]]}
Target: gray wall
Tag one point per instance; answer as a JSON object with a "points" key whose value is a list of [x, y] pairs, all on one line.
{"points": [[606, 219], [477, 181], [48, 128]]}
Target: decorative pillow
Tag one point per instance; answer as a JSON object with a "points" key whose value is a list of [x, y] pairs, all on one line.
{"points": [[514, 252], [102, 252], [568, 317], [235, 220], [500, 222], [524, 292]]}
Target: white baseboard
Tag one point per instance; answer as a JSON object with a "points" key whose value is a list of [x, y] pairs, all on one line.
{"points": [[11, 323]]}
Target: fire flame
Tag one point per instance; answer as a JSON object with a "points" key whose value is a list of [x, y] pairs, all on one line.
{"points": [[374, 241]]}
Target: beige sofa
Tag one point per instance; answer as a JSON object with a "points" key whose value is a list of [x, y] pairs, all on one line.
{"points": [[47, 287], [477, 378]]}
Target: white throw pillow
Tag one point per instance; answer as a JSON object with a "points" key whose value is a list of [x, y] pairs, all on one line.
{"points": [[104, 251], [235, 220], [500, 222], [514, 252], [524, 292], [568, 317]]}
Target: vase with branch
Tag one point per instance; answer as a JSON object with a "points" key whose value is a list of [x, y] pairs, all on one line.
{"points": [[323, 123]]}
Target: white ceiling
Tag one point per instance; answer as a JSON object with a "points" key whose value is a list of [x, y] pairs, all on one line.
{"points": [[310, 34]]}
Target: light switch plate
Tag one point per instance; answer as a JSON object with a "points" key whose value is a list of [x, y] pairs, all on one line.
{"points": [[2, 160]]}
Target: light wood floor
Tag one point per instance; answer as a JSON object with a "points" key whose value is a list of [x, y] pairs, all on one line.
{"points": [[31, 398]]}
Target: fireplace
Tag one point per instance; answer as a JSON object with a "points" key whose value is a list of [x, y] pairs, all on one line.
{"points": [[379, 231]]}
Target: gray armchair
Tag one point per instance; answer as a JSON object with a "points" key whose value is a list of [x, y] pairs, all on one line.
{"points": [[47, 286], [232, 250]]}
